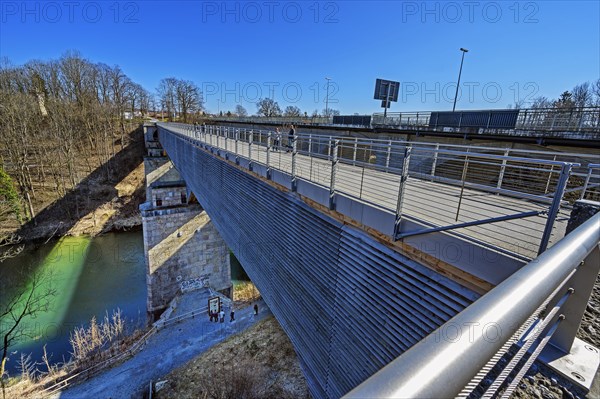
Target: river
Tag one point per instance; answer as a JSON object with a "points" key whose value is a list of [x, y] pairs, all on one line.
{"points": [[92, 277]]}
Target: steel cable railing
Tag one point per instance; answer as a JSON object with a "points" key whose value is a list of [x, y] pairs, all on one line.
{"points": [[444, 185]]}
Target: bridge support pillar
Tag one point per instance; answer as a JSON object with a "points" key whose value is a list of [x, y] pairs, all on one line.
{"points": [[182, 247]]}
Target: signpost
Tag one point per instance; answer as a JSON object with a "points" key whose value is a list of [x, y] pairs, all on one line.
{"points": [[214, 305], [386, 91]]}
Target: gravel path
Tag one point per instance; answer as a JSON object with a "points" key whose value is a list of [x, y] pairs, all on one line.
{"points": [[166, 350]]}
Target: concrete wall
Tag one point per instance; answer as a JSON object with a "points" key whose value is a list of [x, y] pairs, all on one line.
{"points": [[183, 249]]}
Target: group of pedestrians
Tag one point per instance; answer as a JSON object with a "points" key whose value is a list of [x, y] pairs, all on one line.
{"points": [[220, 316], [290, 142]]}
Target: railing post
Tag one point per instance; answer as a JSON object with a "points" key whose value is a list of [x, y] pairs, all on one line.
{"points": [[462, 187], [250, 150], [587, 182], [583, 283], [329, 148], [355, 150], [565, 172], [334, 162], [435, 158], [226, 152], [269, 156], [401, 190], [549, 177], [237, 139], [388, 155], [502, 169], [294, 153]]}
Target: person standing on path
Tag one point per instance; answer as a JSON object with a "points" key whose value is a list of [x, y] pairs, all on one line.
{"points": [[232, 315], [255, 309], [222, 316]]}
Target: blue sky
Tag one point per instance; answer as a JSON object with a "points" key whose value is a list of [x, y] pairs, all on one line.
{"points": [[241, 51]]}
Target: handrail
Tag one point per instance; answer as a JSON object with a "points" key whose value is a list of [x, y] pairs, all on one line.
{"points": [[442, 368], [433, 164], [60, 385]]}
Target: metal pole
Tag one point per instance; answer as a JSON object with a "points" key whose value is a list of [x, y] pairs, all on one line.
{"points": [[389, 154], [269, 155], [462, 188], [355, 149], [250, 150], [334, 162], [587, 182], [327, 100], [237, 139], [435, 158], [226, 152], [310, 156], [387, 99], [294, 152], [565, 172], [459, 73], [401, 190], [502, 169], [549, 177], [583, 284]]}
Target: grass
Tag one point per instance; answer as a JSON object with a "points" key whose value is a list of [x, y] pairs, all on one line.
{"points": [[258, 363]]}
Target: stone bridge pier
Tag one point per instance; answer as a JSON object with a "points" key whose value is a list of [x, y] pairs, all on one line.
{"points": [[182, 247]]}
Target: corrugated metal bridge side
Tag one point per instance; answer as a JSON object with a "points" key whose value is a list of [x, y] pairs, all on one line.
{"points": [[349, 304]]}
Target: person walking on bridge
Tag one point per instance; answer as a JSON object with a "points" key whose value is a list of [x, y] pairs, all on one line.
{"points": [[291, 138], [277, 140]]}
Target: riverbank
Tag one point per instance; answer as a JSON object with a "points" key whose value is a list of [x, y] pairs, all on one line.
{"points": [[107, 199]]}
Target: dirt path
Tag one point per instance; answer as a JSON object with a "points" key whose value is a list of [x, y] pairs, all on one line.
{"points": [[166, 350]]}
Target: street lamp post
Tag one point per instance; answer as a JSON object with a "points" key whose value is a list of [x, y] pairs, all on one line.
{"points": [[464, 50], [327, 98]]}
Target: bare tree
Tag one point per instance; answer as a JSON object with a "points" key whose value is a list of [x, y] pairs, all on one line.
{"points": [[582, 95], [188, 97], [30, 297], [292, 111], [596, 93], [541, 102], [240, 110], [268, 107], [167, 95]]}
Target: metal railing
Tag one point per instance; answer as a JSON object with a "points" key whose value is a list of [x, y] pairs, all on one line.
{"points": [[283, 120], [540, 304], [135, 347], [544, 119], [500, 197], [591, 185]]}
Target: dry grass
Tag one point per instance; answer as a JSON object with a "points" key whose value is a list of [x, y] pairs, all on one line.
{"points": [[258, 363], [245, 292], [87, 343]]}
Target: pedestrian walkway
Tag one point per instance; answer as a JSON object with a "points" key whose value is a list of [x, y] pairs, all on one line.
{"points": [[166, 350]]}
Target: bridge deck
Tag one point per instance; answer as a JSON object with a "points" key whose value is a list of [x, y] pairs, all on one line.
{"points": [[428, 202]]}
